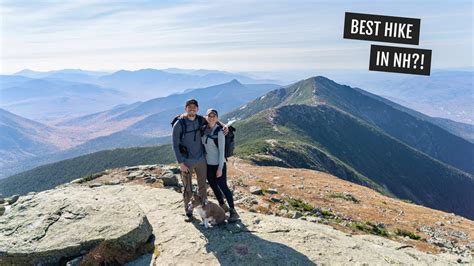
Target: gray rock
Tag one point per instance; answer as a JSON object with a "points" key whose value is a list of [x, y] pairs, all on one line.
{"points": [[275, 199], [313, 219], [12, 199], [256, 190], [248, 201], [150, 179], [2, 209], [296, 215], [131, 168], [169, 179], [135, 174], [272, 190], [113, 182], [2, 200], [173, 169], [148, 167], [62, 223]]}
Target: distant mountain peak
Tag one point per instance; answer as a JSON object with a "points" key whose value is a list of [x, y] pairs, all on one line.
{"points": [[234, 81]]}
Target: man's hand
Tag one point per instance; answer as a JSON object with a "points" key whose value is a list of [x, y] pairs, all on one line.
{"points": [[184, 168], [218, 173], [226, 129], [183, 115]]}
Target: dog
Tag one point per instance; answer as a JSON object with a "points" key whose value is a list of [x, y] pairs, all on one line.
{"points": [[210, 213]]}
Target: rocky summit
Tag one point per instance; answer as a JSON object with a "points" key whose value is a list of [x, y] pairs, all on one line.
{"points": [[111, 219]]}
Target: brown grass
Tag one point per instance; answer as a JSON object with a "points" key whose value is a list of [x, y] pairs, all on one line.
{"points": [[320, 188]]}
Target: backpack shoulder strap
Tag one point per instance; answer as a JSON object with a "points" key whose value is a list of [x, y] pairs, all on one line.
{"points": [[176, 118], [183, 128], [215, 133]]}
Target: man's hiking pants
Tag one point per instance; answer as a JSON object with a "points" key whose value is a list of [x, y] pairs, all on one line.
{"points": [[201, 174]]}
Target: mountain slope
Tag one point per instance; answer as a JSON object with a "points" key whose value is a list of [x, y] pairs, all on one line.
{"points": [[48, 176], [360, 137], [397, 122], [152, 117], [21, 138], [288, 136], [446, 93]]}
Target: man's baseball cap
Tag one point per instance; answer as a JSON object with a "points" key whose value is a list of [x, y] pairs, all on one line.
{"points": [[191, 101], [211, 110]]}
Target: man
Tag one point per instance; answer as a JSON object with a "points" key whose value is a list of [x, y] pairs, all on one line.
{"points": [[189, 152]]}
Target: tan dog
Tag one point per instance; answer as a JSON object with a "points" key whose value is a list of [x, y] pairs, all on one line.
{"points": [[210, 213]]}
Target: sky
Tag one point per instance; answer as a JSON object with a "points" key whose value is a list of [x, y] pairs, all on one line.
{"points": [[239, 36]]}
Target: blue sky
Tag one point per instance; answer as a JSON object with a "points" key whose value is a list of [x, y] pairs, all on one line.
{"points": [[254, 36]]}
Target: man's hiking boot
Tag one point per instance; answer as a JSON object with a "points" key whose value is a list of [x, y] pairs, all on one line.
{"points": [[234, 217], [225, 207], [189, 217]]}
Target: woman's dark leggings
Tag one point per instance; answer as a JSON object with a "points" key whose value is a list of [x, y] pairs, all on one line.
{"points": [[219, 184]]}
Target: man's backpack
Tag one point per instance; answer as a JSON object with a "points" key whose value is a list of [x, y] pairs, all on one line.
{"points": [[177, 119], [229, 140]]}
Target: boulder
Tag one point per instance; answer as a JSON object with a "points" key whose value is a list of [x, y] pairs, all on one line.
{"points": [[296, 215], [131, 168], [150, 179], [168, 178], [173, 169], [272, 191], [59, 224], [135, 174], [148, 167], [275, 199], [256, 190], [12, 199]]}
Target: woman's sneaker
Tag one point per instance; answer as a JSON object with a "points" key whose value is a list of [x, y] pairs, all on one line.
{"points": [[234, 216], [225, 207]]}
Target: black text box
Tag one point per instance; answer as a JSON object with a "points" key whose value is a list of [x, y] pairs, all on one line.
{"points": [[400, 60], [382, 28]]}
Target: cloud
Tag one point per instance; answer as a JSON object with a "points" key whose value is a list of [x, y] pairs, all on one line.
{"points": [[227, 35]]}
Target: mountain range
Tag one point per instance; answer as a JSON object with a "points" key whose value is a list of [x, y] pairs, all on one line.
{"points": [[137, 124], [22, 138], [446, 93], [319, 124]]}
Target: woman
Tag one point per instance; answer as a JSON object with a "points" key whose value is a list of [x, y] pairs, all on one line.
{"points": [[216, 165]]}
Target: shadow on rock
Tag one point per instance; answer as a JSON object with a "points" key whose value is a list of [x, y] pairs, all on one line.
{"points": [[234, 243]]}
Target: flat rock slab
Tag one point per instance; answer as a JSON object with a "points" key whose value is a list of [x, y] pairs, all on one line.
{"points": [[69, 221], [260, 239]]}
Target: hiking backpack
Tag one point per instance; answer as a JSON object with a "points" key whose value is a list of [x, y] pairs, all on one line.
{"points": [[201, 121], [229, 140]]}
